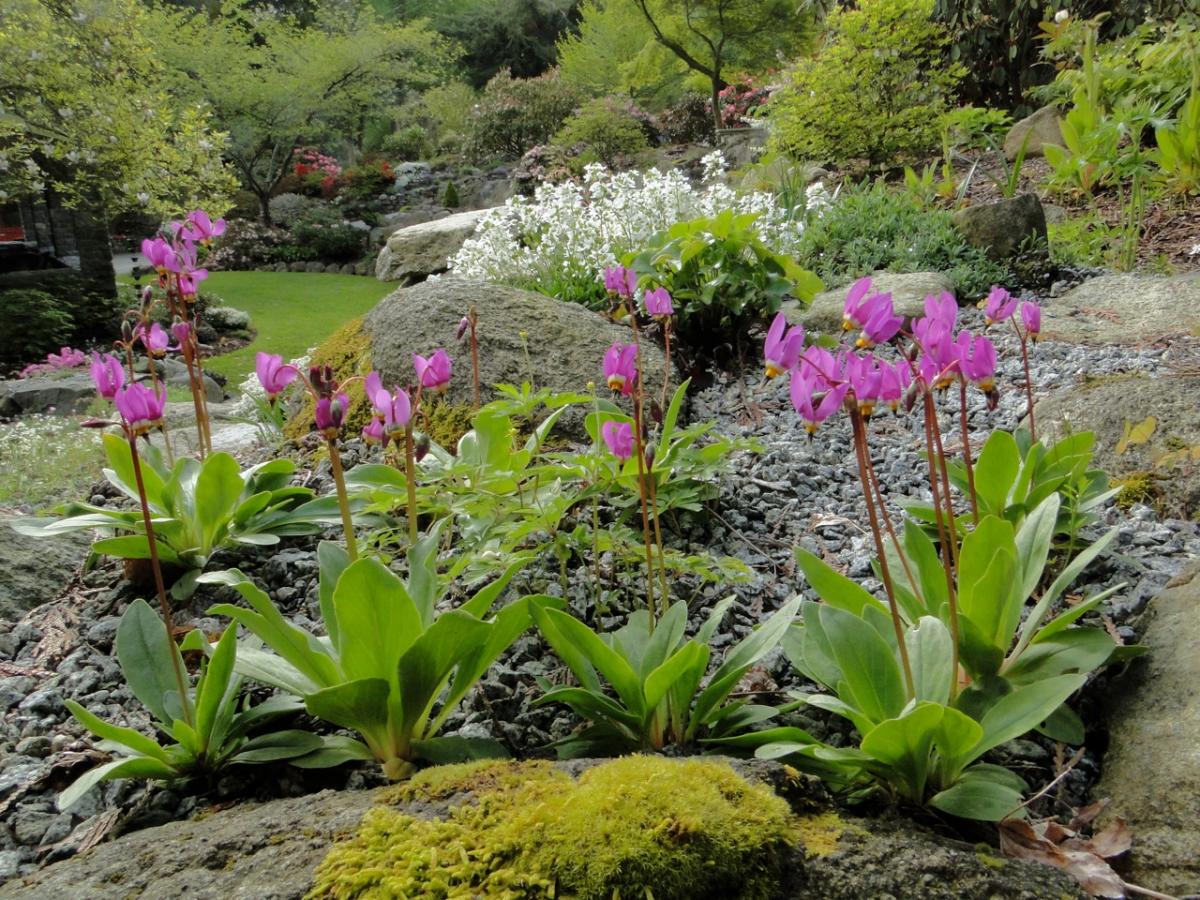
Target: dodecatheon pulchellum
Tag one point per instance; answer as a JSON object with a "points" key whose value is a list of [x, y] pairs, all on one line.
{"points": [[619, 438], [620, 281], [658, 303], [999, 305], [154, 339], [199, 227], [812, 399], [620, 367], [782, 350], [977, 360], [1031, 317], [820, 367], [329, 413], [160, 254], [140, 407], [372, 432], [108, 374], [894, 382], [942, 308], [394, 409], [882, 323], [939, 353], [183, 330], [433, 374], [865, 377], [854, 312], [273, 374]]}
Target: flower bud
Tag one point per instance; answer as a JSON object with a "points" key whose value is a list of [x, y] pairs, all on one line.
{"points": [[463, 325], [421, 446]]}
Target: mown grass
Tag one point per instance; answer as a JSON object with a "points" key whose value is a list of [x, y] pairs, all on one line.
{"points": [[290, 311]]}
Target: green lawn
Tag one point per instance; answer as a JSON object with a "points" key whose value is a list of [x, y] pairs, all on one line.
{"points": [[290, 311]]}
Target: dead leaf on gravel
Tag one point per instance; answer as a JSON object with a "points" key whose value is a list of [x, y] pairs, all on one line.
{"points": [[1076, 856], [85, 836], [59, 635]]}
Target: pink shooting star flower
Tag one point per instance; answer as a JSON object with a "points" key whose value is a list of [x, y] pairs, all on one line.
{"points": [[1031, 317], [820, 367], [329, 414], [893, 384], [108, 375], [658, 303], [394, 410], [160, 255], [782, 351], [372, 432], [977, 360], [154, 339], [140, 407], [882, 323], [865, 376], [620, 281], [273, 374], [854, 315], [939, 353], [942, 308], [619, 438], [199, 227], [182, 330], [999, 305], [810, 403], [620, 367], [189, 284], [433, 374]]}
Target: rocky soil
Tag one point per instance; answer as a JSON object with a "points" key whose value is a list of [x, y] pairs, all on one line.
{"points": [[794, 492]]}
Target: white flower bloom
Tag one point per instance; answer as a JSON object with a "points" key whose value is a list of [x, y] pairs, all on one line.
{"points": [[1062, 15]]}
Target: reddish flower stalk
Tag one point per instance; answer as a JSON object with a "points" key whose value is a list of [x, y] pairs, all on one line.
{"points": [[943, 539], [966, 442], [339, 480]]}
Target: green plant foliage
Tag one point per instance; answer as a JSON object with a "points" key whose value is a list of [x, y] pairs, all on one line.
{"points": [[514, 114], [872, 227], [450, 198], [630, 827], [601, 132], [219, 735], [391, 654], [1179, 145], [35, 325], [321, 234], [197, 509], [1083, 240], [656, 677], [409, 143], [721, 275], [874, 90]]}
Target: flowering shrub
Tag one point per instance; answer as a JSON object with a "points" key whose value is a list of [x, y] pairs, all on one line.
{"points": [[310, 161], [248, 244], [688, 120], [371, 178], [65, 358], [514, 114], [561, 240], [288, 207], [739, 101]]}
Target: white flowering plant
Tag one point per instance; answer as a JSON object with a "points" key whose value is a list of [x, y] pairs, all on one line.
{"points": [[560, 241]]}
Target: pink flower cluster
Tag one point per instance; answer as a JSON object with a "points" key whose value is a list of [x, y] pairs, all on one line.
{"points": [[141, 408], [823, 381], [179, 254], [65, 358], [310, 160]]}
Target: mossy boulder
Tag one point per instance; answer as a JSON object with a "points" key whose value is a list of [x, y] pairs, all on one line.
{"points": [[522, 336], [695, 828]]}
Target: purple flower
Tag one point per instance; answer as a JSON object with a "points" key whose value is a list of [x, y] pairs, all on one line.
{"points": [[1031, 317], [620, 367], [865, 377], [782, 351], [820, 367], [942, 308], [182, 331], [199, 227], [999, 305], [812, 401], [894, 382], [939, 353], [329, 414], [160, 254], [372, 432], [272, 373], [619, 438], [189, 283], [882, 322], [977, 360], [621, 281], [394, 410], [108, 375], [658, 303], [154, 339], [140, 407], [853, 313], [433, 373]]}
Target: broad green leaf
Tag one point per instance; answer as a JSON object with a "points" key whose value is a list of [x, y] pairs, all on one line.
{"points": [[218, 492], [1033, 541], [427, 663], [989, 581], [566, 649], [995, 472], [834, 588], [667, 633], [978, 654], [956, 736], [134, 740], [134, 546], [706, 631], [1024, 709], [145, 658], [423, 587], [335, 750], [594, 707], [930, 653], [332, 560], [688, 660], [903, 744], [211, 691], [1075, 650], [121, 475], [360, 705], [266, 667], [978, 794], [869, 669], [277, 745], [446, 750], [377, 620], [1069, 616], [135, 767], [606, 661]]}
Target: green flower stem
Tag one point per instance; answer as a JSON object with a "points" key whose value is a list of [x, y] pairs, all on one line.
{"points": [[410, 483], [640, 449], [339, 480], [1024, 339], [162, 426], [863, 452], [156, 566]]}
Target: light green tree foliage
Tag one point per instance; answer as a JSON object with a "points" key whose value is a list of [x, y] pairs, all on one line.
{"points": [[874, 90], [275, 85], [85, 110], [614, 52], [714, 37]]}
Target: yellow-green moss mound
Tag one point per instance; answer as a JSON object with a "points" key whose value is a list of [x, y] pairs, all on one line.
{"points": [[635, 827]]}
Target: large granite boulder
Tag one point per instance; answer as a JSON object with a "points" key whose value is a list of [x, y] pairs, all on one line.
{"points": [[1152, 767], [271, 851], [1034, 132], [1001, 227], [523, 336], [35, 569], [414, 253], [62, 394], [1118, 309], [908, 292], [174, 373], [1158, 467]]}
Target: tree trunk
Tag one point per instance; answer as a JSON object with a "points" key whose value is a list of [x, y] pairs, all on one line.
{"points": [[717, 85], [95, 250], [264, 207]]}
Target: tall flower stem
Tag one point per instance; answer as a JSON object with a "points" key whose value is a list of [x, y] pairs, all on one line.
{"points": [[410, 483], [943, 538], [862, 451], [339, 480], [162, 427], [891, 531], [1024, 339], [966, 442], [658, 541], [156, 566], [947, 497], [473, 317], [666, 362], [595, 498], [640, 449]]}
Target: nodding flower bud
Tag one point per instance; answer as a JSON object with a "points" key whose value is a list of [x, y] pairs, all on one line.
{"points": [[321, 379], [651, 450], [420, 446], [463, 325], [147, 298], [126, 331], [329, 414]]}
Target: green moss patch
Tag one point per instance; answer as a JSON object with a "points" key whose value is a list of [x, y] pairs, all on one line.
{"points": [[633, 827]]}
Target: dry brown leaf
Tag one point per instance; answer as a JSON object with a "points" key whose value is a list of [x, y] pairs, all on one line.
{"points": [[87, 834], [1085, 815], [1114, 840], [1020, 840]]}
